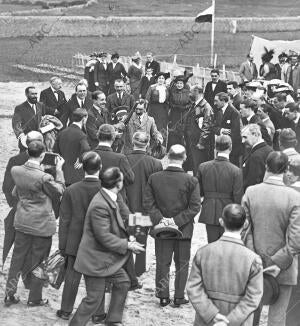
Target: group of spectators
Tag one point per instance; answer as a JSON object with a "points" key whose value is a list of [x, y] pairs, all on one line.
{"points": [[87, 162]]}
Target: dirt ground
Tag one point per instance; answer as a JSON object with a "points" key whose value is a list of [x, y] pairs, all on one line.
{"points": [[142, 308]]}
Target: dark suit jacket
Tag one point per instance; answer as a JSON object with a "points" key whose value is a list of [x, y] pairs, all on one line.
{"points": [[296, 128], [71, 143], [231, 120], [73, 208], [113, 101], [48, 98], [25, 119], [172, 193], [8, 182], [254, 165], [113, 74], [154, 65], [145, 83], [110, 159], [94, 121], [221, 183], [101, 74], [236, 101], [71, 105], [209, 94], [143, 165], [103, 249]]}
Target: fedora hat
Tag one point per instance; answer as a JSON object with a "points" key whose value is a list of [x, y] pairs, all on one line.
{"points": [[271, 290], [163, 232]]}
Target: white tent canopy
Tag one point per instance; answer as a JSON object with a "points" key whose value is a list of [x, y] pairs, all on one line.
{"points": [[258, 44]]}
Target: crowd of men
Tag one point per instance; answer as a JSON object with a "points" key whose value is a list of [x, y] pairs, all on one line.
{"points": [[232, 156]]}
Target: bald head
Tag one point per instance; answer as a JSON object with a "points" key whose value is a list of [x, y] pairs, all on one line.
{"points": [[177, 154], [34, 135]]}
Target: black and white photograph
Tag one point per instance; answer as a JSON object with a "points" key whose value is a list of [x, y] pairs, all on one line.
{"points": [[150, 163]]}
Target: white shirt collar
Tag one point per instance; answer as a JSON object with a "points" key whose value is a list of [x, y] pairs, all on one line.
{"points": [[226, 155], [91, 177], [250, 116], [80, 101], [34, 162], [111, 194], [141, 117], [175, 165], [78, 124], [53, 90], [104, 144], [278, 177], [232, 235], [224, 107]]}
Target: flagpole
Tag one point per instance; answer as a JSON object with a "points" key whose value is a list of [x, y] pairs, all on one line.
{"points": [[212, 35]]}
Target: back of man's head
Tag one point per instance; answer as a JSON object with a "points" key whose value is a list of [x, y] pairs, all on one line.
{"points": [[223, 143], [34, 135], [111, 177], [140, 139], [287, 138], [91, 162], [277, 162], [234, 217], [78, 114], [177, 153], [106, 133], [35, 149]]}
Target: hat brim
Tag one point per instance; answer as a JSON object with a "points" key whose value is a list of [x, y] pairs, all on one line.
{"points": [[271, 290], [166, 232]]}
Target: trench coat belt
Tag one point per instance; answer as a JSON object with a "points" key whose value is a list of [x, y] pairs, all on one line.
{"points": [[217, 195], [232, 298]]}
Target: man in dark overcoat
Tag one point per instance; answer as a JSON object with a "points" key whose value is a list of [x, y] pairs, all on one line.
{"points": [[221, 183], [173, 197], [143, 165]]}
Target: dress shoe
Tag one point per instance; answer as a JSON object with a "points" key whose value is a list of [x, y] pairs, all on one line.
{"points": [[164, 302], [63, 314], [99, 319], [10, 300], [136, 286], [39, 303], [178, 302]]}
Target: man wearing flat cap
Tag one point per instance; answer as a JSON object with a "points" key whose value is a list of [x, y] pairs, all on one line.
{"points": [[172, 197], [143, 165], [101, 73], [71, 144]]}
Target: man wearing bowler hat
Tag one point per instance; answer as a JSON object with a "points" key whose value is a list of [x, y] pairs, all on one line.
{"points": [[172, 198], [273, 211], [225, 285]]}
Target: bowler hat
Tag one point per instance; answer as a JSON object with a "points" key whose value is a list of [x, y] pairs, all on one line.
{"points": [[166, 232], [271, 290]]}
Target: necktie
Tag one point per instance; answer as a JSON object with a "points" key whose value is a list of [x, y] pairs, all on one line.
{"points": [[140, 118], [56, 95], [82, 104], [33, 108]]}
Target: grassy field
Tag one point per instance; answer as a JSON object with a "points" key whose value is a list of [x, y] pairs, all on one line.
{"points": [[231, 50], [224, 8]]}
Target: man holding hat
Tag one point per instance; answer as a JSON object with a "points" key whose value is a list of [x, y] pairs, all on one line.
{"points": [[273, 212], [100, 74], [143, 166], [225, 285], [71, 144], [172, 199], [140, 121]]}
